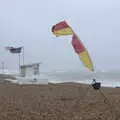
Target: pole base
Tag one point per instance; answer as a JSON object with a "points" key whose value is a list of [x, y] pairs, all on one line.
{"points": [[96, 85]]}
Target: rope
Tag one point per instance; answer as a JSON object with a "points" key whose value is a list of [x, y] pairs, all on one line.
{"points": [[113, 109]]}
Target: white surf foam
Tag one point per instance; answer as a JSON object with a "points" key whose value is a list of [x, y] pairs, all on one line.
{"points": [[106, 79]]}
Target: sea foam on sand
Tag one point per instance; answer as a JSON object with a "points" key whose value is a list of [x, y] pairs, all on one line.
{"points": [[106, 78]]}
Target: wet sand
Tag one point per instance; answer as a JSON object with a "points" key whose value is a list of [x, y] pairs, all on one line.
{"points": [[67, 101]]}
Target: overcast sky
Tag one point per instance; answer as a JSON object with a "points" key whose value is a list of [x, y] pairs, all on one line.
{"points": [[28, 23]]}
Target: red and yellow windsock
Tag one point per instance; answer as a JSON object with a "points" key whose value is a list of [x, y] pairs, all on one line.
{"points": [[61, 29], [82, 52]]}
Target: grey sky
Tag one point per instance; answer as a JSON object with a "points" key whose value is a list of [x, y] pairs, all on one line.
{"points": [[29, 22]]}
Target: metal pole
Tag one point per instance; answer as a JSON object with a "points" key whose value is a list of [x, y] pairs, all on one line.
{"points": [[23, 55], [3, 67], [19, 61]]}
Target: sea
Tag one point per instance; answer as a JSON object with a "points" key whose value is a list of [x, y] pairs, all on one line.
{"points": [[107, 78]]}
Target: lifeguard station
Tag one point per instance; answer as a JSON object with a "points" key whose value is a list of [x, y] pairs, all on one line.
{"points": [[29, 70]]}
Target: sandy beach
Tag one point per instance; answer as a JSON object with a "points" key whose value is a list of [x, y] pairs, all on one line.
{"points": [[67, 101]]}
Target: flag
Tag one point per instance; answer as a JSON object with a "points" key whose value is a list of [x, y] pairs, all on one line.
{"points": [[82, 52], [14, 50], [62, 28]]}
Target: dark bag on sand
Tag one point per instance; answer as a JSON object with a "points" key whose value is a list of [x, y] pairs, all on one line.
{"points": [[96, 85]]}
